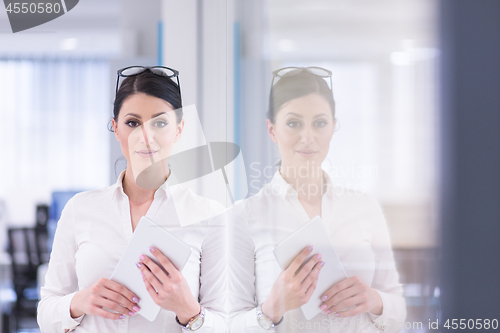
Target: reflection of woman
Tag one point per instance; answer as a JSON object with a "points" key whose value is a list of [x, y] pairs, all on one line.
{"points": [[301, 121], [96, 226]]}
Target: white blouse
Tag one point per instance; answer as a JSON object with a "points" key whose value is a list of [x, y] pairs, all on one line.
{"points": [[358, 231], [93, 232]]}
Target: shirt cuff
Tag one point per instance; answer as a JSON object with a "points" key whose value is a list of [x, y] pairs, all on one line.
{"points": [[380, 321], [68, 323]]}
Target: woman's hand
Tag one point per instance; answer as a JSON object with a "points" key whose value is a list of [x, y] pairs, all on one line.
{"points": [[167, 286], [294, 287], [104, 293], [351, 292]]}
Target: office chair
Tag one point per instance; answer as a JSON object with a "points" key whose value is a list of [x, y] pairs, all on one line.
{"points": [[27, 249]]}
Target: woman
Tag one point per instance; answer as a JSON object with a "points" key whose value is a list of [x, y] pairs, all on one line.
{"points": [[301, 120], [96, 226]]}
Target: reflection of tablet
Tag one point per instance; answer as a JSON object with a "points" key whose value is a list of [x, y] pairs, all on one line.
{"points": [[146, 234], [312, 233]]}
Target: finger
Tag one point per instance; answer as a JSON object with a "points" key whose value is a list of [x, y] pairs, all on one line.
{"points": [[116, 296], [308, 267], [338, 287], [312, 276], [164, 261], [121, 289], [154, 268], [97, 311], [150, 277], [310, 290], [342, 295], [346, 304], [349, 313], [112, 305], [299, 259], [150, 289]]}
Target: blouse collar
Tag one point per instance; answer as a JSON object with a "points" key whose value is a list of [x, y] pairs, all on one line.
{"points": [[118, 187], [280, 186]]}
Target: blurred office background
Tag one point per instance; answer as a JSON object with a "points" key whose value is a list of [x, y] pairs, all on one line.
{"points": [[57, 88]]}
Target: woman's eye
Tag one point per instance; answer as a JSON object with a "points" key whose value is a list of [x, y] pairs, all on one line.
{"points": [[293, 124], [320, 123], [132, 123], [161, 124]]}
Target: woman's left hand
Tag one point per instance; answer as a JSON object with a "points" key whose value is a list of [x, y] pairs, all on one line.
{"points": [[351, 292], [172, 291]]}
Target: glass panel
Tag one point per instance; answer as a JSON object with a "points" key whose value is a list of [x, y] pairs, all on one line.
{"points": [[383, 59]]}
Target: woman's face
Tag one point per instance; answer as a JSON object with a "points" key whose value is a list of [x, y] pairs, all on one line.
{"points": [[147, 129], [303, 129]]}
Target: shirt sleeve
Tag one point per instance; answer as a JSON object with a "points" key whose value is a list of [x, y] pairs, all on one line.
{"points": [[242, 291], [213, 276], [61, 284], [386, 277]]}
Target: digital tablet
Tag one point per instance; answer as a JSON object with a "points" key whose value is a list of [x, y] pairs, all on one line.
{"points": [[312, 233], [146, 234]]}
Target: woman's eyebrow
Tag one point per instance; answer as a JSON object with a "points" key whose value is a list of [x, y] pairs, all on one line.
{"points": [[138, 116], [134, 115], [299, 116], [158, 114]]}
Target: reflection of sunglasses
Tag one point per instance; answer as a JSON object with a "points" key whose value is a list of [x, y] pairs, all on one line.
{"points": [[157, 70], [292, 71]]}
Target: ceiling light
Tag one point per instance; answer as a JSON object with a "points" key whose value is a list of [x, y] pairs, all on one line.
{"points": [[286, 45], [68, 44], [401, 58]]}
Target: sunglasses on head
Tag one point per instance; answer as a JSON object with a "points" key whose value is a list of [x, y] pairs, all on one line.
{"points": [[157, 70], [291, 71]]}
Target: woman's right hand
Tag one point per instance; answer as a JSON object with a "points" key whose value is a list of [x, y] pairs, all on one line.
{"points": [[294, 287], [104, 293]]}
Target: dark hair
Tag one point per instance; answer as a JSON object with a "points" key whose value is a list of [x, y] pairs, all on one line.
{"points": [[293, 85], [151, 84]]}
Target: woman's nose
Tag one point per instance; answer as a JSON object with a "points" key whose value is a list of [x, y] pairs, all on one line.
{"points": [[147, 135], [307, 135]]}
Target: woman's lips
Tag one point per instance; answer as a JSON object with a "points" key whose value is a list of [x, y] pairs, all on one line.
{"points": [[146, 153], [307, 152]]}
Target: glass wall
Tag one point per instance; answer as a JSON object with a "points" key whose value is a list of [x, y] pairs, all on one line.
{"points": [[378, 166], [383, 57]]}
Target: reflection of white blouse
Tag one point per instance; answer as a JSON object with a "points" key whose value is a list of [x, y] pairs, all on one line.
{"points": [[360, 237], [93, 232]]}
